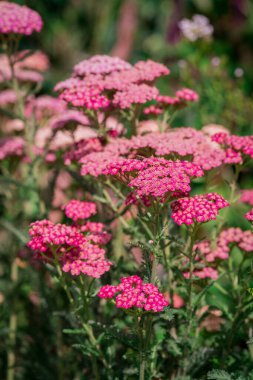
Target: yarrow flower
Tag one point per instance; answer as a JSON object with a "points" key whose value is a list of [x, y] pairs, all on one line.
{"points": [[247, 196], [102, 81], [236, 148], [11, 146], [17, 19], [200, 208], [249, 216], [227, 239], [132, 292], [78, 249], [187, 95], [78, 210], [197, 28], [100, 64]]}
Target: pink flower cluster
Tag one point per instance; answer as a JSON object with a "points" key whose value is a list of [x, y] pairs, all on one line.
{"points": [[11, 146], [205, 272], [44, 107], [247, 196], [17, 19], [249, 216], [78, 210], [7, 97], [237, 148], [132, 292], [187, 95], [197, 209], [32, 60], [162, 178], [68, 119], [78, 249], [228, 237], [183, 142], [103, 81], [21, 73]]}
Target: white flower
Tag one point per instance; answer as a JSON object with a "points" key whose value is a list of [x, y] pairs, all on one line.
{"points": [[197, 28]]}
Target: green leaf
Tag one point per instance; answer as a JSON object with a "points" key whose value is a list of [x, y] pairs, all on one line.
{"points": [[218, 375]]}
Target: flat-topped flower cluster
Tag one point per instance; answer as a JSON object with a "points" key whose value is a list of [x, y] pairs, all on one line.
{"points": [[132, 292], [77, 248], [109, 83], [17, 19]]}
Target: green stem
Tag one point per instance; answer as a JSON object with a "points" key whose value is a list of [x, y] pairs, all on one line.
{"points": [[11, 358]]}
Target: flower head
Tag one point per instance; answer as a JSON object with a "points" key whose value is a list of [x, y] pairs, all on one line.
{"points": [[77, 210], [132, 292], [17, 19], [200, 208]]}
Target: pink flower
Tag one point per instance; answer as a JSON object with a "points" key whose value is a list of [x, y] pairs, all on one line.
{"points": [[249, 216], [100, 64], [187, 95], [133, 293], [134, 94], [11, 146], [77, 249], [77, 210], [200, 208], [17, 19], [247, 196]]}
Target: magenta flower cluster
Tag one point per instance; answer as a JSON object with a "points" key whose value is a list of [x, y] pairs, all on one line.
{"points": [[132, 292], [197, 209], [78, 249], [249, 216], [78, 210], [17, 19], [236, 148]]}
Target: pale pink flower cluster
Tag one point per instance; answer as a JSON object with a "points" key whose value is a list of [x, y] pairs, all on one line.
{"points": [[81, 149], [135, 94], [247, 196], [187, 95], [103, 81], [32, 60], [7, 97], [100, 64], [226, 239], [68, 119], [22, 74], [11, 147], [78, 210], [77, 248], [132, 292], [44, 107], [236, 147], [198, 27], [17, 19], [197, 209], [249, 216], [205, 272], [173, 144]]}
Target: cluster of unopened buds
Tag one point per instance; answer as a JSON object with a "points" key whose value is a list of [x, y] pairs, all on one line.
{"points": [[133, 293]]}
